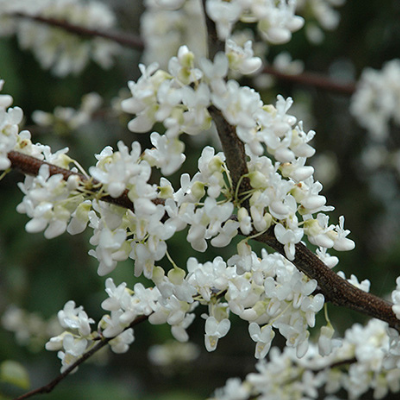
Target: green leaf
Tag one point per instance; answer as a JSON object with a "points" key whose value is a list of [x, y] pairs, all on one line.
{"points": [[14, 373]]}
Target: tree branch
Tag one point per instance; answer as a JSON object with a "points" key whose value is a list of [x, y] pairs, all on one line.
{"points": [[29, 165], [51, 385], [234, 152], [214, 45]]}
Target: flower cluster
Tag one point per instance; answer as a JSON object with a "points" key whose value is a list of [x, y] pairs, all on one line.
{"points": [[319, 12], [267, 292], [164, 27], [54, 48], [283, 189], [30, 329], [276, 196], [285, 376], [376, 102], [275, 20], [74, 341], [65, 119]]}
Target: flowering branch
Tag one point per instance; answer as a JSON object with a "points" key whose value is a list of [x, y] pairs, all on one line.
{"points": [[30, 166], [51, 385], [335, 289]]}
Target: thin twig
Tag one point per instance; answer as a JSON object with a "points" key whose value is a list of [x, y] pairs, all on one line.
{"points": [[314, 80], [127, 40], [30, 166], [51, 385]]}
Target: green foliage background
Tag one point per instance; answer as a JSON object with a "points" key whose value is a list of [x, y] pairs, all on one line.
{"points": [[40, 275]]}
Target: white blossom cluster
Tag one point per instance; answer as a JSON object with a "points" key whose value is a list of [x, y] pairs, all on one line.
{"points": [[271, 295], [164, 29], [275, 20], [55, 48], [319, 14], [30, 329], [49, 200], [376, 106], [65, 119], [367, 366], [283, 191], [376, 102], [77, 339], [11, 138], [269, 292], [165, 25]]}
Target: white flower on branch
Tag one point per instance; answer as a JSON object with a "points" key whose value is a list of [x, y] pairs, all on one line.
{"points": [[214, 331], [49, 202]]}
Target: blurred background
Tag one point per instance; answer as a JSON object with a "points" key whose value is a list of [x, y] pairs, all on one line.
{"points": [[40, 276]]}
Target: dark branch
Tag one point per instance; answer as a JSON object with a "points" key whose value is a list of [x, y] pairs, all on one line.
{"points": [[30, 166], [314, 80], [213, 43], [234, 151], [334, 288], [123, 39]]}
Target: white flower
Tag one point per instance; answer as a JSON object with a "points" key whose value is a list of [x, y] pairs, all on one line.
{"points": [[233, 390], [72, 317], [325, 342], [241, 59], [74, 348], [239, 105], [120, 169], [119, 296], [144, 98], [49, 202], [214, 331], [167, 153], [109, 249], [277, 21], [342, 243], [215, 72], [182, 67], [263, 337], [396, 299], [120, 344], [288, 237], [376, 100], [224, 14], [64, 52], [197, 118]]}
